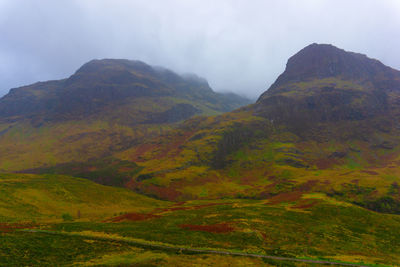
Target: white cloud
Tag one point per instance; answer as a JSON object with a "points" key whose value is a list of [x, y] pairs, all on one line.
{"points": [[236, 44]]}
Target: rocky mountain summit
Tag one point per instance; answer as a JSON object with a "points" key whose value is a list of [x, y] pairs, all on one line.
{"points": [[111, 84], [322, 84]]}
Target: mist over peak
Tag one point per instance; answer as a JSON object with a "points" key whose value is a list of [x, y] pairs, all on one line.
{"points": [[319, 61], [237, 46]]}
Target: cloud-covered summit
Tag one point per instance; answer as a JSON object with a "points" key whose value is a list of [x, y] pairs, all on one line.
{"points": [[237, 45]]}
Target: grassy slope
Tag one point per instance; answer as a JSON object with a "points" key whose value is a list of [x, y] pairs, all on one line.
{"points": [[25, 197], [27, 249], [24, 145], [257, 160], [296, 224], [44, 199], [306, 226], [324, 229]]}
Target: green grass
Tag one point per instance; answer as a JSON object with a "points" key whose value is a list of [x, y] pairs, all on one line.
{"points": [[311, 225], [26, 249], [27, 197], [352, 164], [42, 249], [326, 231]]}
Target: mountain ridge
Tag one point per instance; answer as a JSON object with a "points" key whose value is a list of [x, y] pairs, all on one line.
{"points": [[311, 170], [99, 83], [325, 135], [105, 106], [321, 127]]}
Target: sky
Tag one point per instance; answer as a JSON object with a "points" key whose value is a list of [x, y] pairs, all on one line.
{"points": [[237, 45]]}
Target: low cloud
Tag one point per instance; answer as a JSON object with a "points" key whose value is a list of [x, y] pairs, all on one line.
{"points": [[238, 45]]}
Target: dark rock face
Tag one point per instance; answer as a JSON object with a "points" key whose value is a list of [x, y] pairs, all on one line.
{"points": [[323, 84]]}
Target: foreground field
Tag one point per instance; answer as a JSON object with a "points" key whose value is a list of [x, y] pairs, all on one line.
{"points": [[311, 227], [40, 249], [123, 228]]}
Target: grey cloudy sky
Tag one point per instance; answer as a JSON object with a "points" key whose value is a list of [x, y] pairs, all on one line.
{"points": [[238, 45]]}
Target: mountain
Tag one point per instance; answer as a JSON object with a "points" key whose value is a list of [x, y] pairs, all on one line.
{"points": [[307, 174], [322, 83], [105, 106], [328, 124], [115, 87]]}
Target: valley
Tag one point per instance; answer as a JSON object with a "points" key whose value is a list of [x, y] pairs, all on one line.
{"points": [[126, 164]]}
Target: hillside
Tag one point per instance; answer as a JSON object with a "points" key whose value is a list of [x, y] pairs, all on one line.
{"points": [[333, 132], [106, 106], [54, 198], [306, 175]]}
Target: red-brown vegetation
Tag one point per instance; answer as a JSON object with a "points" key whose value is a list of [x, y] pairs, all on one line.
{"points": [[285, 197], [212, 228], [171, 149], [305, 203], [346, 173], [307, 186], [11, 227], [141, 150], [167, 193], [249, 180], [325, 163], [264, 235], [370, 172], [132, 217], [194, 207], [179, 206]]}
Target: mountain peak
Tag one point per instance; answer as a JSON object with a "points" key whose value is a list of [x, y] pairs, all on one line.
{"points": [[323, 83], [100, 64], [318, 61], [122, 86]]}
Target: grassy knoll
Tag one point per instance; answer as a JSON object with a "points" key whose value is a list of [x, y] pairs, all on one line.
{"points": [[28, 197]]}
